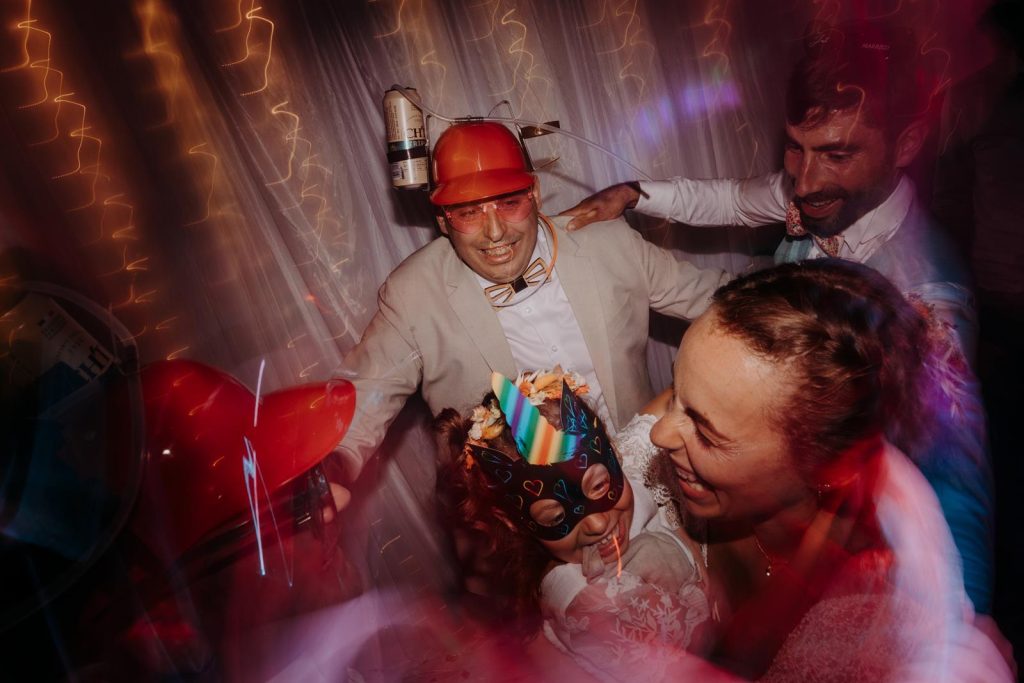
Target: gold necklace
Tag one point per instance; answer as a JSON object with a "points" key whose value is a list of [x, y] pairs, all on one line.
{"points": [[705, 533], [767, 557]]}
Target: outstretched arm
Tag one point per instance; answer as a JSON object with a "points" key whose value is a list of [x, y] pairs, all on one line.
{"points": [[751, 201], [385, 367]]}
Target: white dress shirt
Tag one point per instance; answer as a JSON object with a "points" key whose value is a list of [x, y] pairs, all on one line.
{"points": [[764, 199], [542, 331]]}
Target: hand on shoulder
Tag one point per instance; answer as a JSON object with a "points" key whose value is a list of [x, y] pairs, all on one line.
{"points": [[605, 205]]}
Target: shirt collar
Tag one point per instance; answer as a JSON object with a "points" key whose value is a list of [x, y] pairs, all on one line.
{"points": [[868, 232]]}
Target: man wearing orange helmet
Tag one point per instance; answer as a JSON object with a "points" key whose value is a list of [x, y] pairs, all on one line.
{"points": [[508, 289]]}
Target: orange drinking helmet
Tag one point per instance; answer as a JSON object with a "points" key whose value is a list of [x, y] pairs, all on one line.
{"points": [[477, 160]]}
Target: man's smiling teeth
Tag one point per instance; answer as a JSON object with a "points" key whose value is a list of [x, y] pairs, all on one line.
{"points": [[501, 250]]}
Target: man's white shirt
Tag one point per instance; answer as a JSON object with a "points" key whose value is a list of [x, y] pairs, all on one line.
{"points": [[765, 199], [542, 331]]}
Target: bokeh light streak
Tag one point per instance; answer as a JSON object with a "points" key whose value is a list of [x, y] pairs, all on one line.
{"points": [[943, 80], [630, 32], [757, 146], [291, 137], [214, 165], [134, 336], [125, 232], [252, 491], [300, 185], [429, 59], [240, 19], [137, 264], [524, 66], [158, 48], [840, 87], [77, 133], [632, 28], [398, 22], [248, 34], [388, 543], [252, 16], [720, 37], [177, 353], [518, 47]]}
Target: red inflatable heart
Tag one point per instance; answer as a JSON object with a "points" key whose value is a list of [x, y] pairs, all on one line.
{"points": [[197, 422]]}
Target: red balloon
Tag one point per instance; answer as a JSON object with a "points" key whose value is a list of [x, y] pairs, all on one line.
{"points": [[205, 459]]}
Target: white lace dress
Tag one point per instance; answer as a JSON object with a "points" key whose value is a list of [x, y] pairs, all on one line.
{"points": [[646, 617]]}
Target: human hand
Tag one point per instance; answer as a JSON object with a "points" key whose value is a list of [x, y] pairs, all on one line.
{"points": [[652, 556], [657, 559], [605, 205], [341, 497]]}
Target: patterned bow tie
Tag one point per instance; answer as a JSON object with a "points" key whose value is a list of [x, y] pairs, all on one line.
{"points": [[500, 295], [795, 228]]}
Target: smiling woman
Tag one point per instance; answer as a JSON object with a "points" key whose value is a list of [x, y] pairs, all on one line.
{"points": [[828, 554]]}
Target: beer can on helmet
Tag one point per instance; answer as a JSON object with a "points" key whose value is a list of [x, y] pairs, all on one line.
{"points": [[476, 160], [406, 135]]}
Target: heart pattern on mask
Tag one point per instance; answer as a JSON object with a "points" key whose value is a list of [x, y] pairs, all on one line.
{"points": [[493, 457], [505, 475], [578, 510], [560, 490], [534, 487], [581, 461], [516, 500]]}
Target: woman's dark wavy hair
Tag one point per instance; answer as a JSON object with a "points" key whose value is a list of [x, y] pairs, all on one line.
{"points": [[857, 348], [514, 560]]}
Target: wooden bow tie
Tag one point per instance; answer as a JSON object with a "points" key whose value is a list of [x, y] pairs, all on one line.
{"points": [[535, 274]]}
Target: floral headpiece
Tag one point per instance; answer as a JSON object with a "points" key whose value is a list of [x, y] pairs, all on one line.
{"points": [[540, 385], [537, 386]]}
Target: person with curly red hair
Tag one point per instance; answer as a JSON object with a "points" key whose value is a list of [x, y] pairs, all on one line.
{"points": [[554, 537]]}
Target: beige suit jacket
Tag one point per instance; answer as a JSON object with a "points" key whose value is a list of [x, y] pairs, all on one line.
{"points": [[435, 330]]}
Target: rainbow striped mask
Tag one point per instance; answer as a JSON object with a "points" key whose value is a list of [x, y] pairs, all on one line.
{"points": [[551, 463]]}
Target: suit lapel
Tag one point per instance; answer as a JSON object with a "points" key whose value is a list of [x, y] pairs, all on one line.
{"points": [[478, 318], [586, 293]]}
